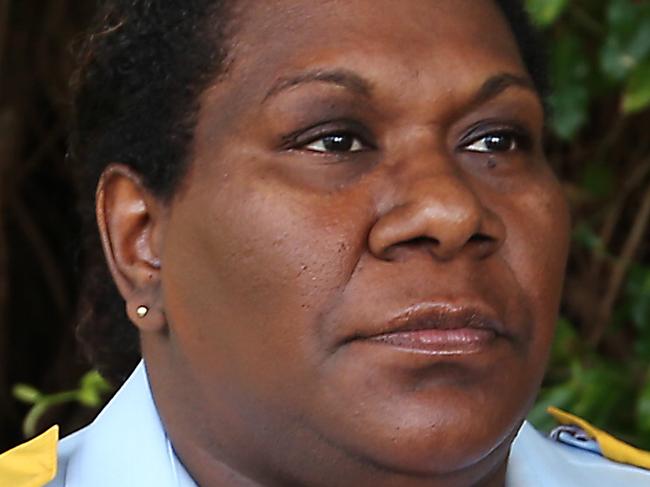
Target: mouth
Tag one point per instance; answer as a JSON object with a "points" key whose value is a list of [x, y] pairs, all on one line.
{"points": [[439, 329]]}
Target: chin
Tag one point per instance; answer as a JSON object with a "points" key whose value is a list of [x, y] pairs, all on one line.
{"points": [[444, 450], [436, 430]]}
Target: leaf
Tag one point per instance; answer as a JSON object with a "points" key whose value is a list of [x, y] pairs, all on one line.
{"points": [[621, 14], [546, 12], [614, 61], [30, 422], [41, 407], [569, 101], [637, 92], [89, 398], [25, 393], [92, 388], [626, 16], [628, 39], [569, 110], [94, 381], [568, 60]]}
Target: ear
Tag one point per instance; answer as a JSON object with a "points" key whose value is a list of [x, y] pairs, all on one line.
{"points": [[131, 222]]}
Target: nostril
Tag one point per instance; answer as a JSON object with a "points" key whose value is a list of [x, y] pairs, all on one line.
{"points": [[427, 244], [482, 245], [422, 242], [480, 238], [480, 241], [402, 249]]}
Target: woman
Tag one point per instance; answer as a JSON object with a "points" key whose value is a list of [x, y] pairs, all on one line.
{"points": [[334, 230]]}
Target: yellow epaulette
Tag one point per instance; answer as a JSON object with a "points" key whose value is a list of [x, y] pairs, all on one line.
{"points": [[32, 464], [611, 448]]}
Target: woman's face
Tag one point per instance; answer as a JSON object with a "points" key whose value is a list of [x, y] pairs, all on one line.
{"points": [[361, 270]]}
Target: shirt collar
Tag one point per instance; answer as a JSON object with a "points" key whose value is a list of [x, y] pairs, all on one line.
{"points": [[126, 445]]}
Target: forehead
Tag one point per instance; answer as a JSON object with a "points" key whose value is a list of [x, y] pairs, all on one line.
{"points": [[440, 36]]}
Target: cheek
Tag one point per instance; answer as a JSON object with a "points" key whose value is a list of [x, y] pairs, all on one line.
{"points": [[247, 284], [537, 249]]}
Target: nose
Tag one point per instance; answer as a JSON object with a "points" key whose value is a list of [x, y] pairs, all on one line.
{"points": [[442, 214]]}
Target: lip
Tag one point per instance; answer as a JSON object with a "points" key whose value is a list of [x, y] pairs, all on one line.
{"points": [[440, 329]]}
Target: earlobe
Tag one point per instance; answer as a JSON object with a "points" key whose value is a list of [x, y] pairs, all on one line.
{"points": [[147, 317], [131, 220]]}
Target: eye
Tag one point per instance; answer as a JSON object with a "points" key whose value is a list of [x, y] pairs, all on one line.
{"points": [[338, 142], [497, 142]]}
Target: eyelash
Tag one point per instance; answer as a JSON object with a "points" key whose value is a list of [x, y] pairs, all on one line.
{"points": [[520, 140], [303, 139], [356, 143]]}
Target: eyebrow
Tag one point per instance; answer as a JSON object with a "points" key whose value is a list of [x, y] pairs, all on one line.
{"points": [[491, 88], [497, 84], [340, 77]]}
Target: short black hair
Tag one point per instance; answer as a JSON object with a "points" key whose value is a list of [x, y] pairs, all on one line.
{"points": [[141, 69]]}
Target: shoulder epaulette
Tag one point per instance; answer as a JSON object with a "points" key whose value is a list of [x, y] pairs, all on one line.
{"points": [[32, 464], [599, 441]]}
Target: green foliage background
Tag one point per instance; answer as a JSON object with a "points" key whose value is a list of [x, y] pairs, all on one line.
{"points": [[598, 142]]}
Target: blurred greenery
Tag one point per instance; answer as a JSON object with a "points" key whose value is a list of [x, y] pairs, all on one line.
{"points": [[599, 141], [91, 393]]}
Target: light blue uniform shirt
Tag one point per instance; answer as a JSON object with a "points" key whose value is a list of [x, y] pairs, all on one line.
{"points": [[126, 446]]}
